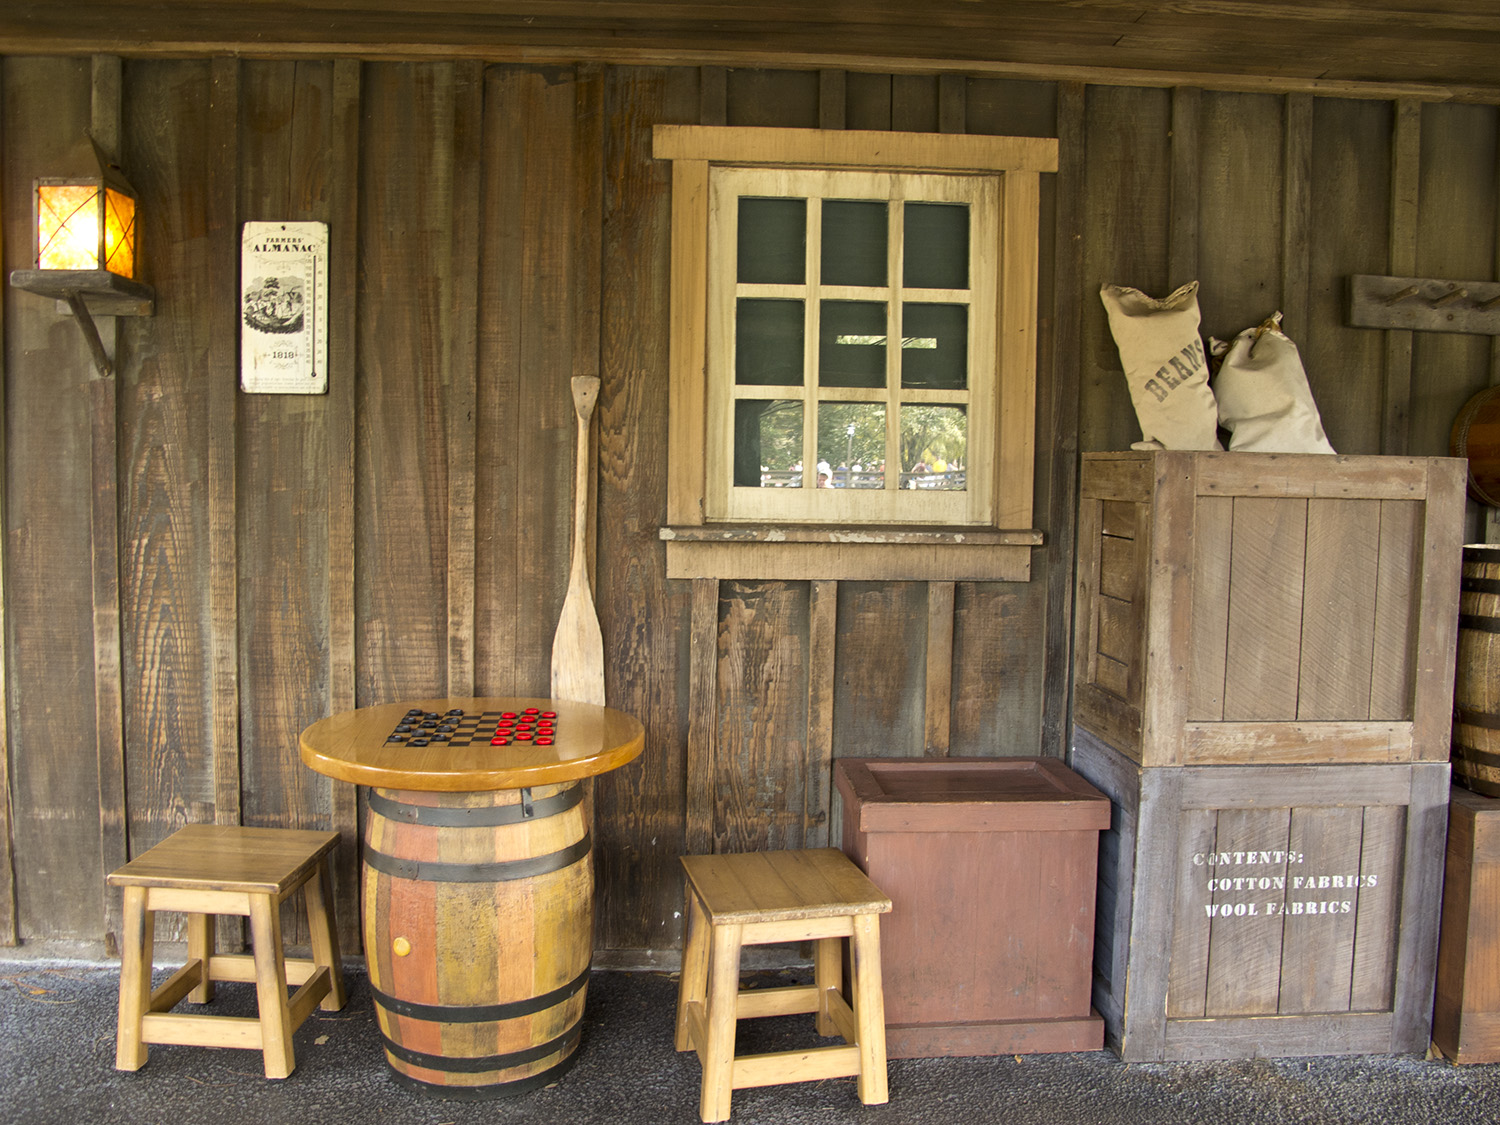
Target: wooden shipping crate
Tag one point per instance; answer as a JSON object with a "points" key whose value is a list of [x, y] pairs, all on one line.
{"points": [[990, 867], [1466, 1017], [1239, 608], [1262, 911]]}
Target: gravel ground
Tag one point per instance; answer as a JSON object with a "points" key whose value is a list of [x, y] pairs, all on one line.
{"points": [[57, 1022]]}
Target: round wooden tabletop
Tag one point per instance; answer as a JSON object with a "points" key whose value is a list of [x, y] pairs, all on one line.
{"points": [[355, 746]]}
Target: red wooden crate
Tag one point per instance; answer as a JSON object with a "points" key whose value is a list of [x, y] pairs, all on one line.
{"points": [[1466, 1017], [990, 865]]}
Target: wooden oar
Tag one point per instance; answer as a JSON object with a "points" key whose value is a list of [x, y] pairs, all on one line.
{"points": [[578, 646]]}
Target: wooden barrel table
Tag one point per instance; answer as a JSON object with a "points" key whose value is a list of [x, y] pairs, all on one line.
{"points": [[477, 879]]}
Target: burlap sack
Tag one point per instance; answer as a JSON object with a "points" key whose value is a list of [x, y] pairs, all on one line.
{"points": [[1263, 396], [1165, 366]]}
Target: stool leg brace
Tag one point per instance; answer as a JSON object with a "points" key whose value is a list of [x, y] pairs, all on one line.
{"points": [[710, 1003]]}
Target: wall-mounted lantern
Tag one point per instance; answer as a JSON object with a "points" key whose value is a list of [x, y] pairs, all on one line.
{"points": [[85, 250]]}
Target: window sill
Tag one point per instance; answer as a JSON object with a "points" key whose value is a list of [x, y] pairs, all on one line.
{"points": [[875, 553]]}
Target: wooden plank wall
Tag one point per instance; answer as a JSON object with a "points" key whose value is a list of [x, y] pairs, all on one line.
{"points": [[495, 230]]}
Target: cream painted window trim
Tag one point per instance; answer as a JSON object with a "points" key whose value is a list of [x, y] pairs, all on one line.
{"points": [[1019, 162]]}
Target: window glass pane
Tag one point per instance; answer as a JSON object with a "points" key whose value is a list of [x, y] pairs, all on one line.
{"points": [[936, 249], [851, 344], [855, 237], [934, 446], [935, 346], [767, 443], [851, 444], [768, 342], [772, 241]]}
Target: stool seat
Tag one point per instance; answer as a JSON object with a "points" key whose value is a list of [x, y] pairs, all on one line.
{"points": [[205, 870], [759, 898]]}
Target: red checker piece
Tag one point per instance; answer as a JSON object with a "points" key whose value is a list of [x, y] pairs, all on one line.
{"points": [[542, 741], [499, 742]]}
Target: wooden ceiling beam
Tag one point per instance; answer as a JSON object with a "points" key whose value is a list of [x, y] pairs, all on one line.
{"points": [[1347, 48]]}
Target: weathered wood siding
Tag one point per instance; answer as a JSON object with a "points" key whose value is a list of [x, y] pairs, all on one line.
{"points": [[192, 575]]}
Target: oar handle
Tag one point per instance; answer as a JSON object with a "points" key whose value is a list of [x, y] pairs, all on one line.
{"points": [[585, 395]]}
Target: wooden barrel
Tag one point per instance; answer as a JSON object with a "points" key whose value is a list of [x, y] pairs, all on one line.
{"points": [[478, 922], [1476, 436], [1476, 681]]}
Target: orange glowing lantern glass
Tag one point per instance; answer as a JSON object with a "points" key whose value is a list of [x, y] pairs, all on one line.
{"points": [[85, 225]]}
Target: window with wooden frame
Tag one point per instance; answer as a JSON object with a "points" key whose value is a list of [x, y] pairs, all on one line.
{"points": [[853, 353]]}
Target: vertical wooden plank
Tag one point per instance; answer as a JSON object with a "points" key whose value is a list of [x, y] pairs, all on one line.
{"points": [[759, 772], [109, 703], [9, 935], [1187, 980], [1265, 609], [588, 265], [177, 515], [869, 101], [882, 629], [401, 533], [527, 419], [1124, 230], [1182, 255], [914, 103], [1455, 234], [822, 644], [1153, 917], [953, 92], [832, 99], [1296, 211], [647, 620], [223, 395], [1213, 546], [1058, 417], [1392, 677], [1421, 906], [1378, 910], [995, 705], [1169, 639], [343, 319], [222, 168], [703, 726], [1338, 616], [1317, 950], [713, 95], [1348, 234], [1436, 652], [49, 596], [462, 341], [1239, 209], [1244, 952], [939, 667], [783, 99], [1406, 161]]}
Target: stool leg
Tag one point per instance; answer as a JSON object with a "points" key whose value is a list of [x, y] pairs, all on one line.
{"points": [[318, 893], [200, 943], [136, 940], [270, 987], [723, 997], [828, 976], [692, 987], [869, 1009]]}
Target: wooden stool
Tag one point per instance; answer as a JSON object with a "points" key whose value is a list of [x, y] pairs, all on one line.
{"points": [[204, 870], [760, 898]]}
